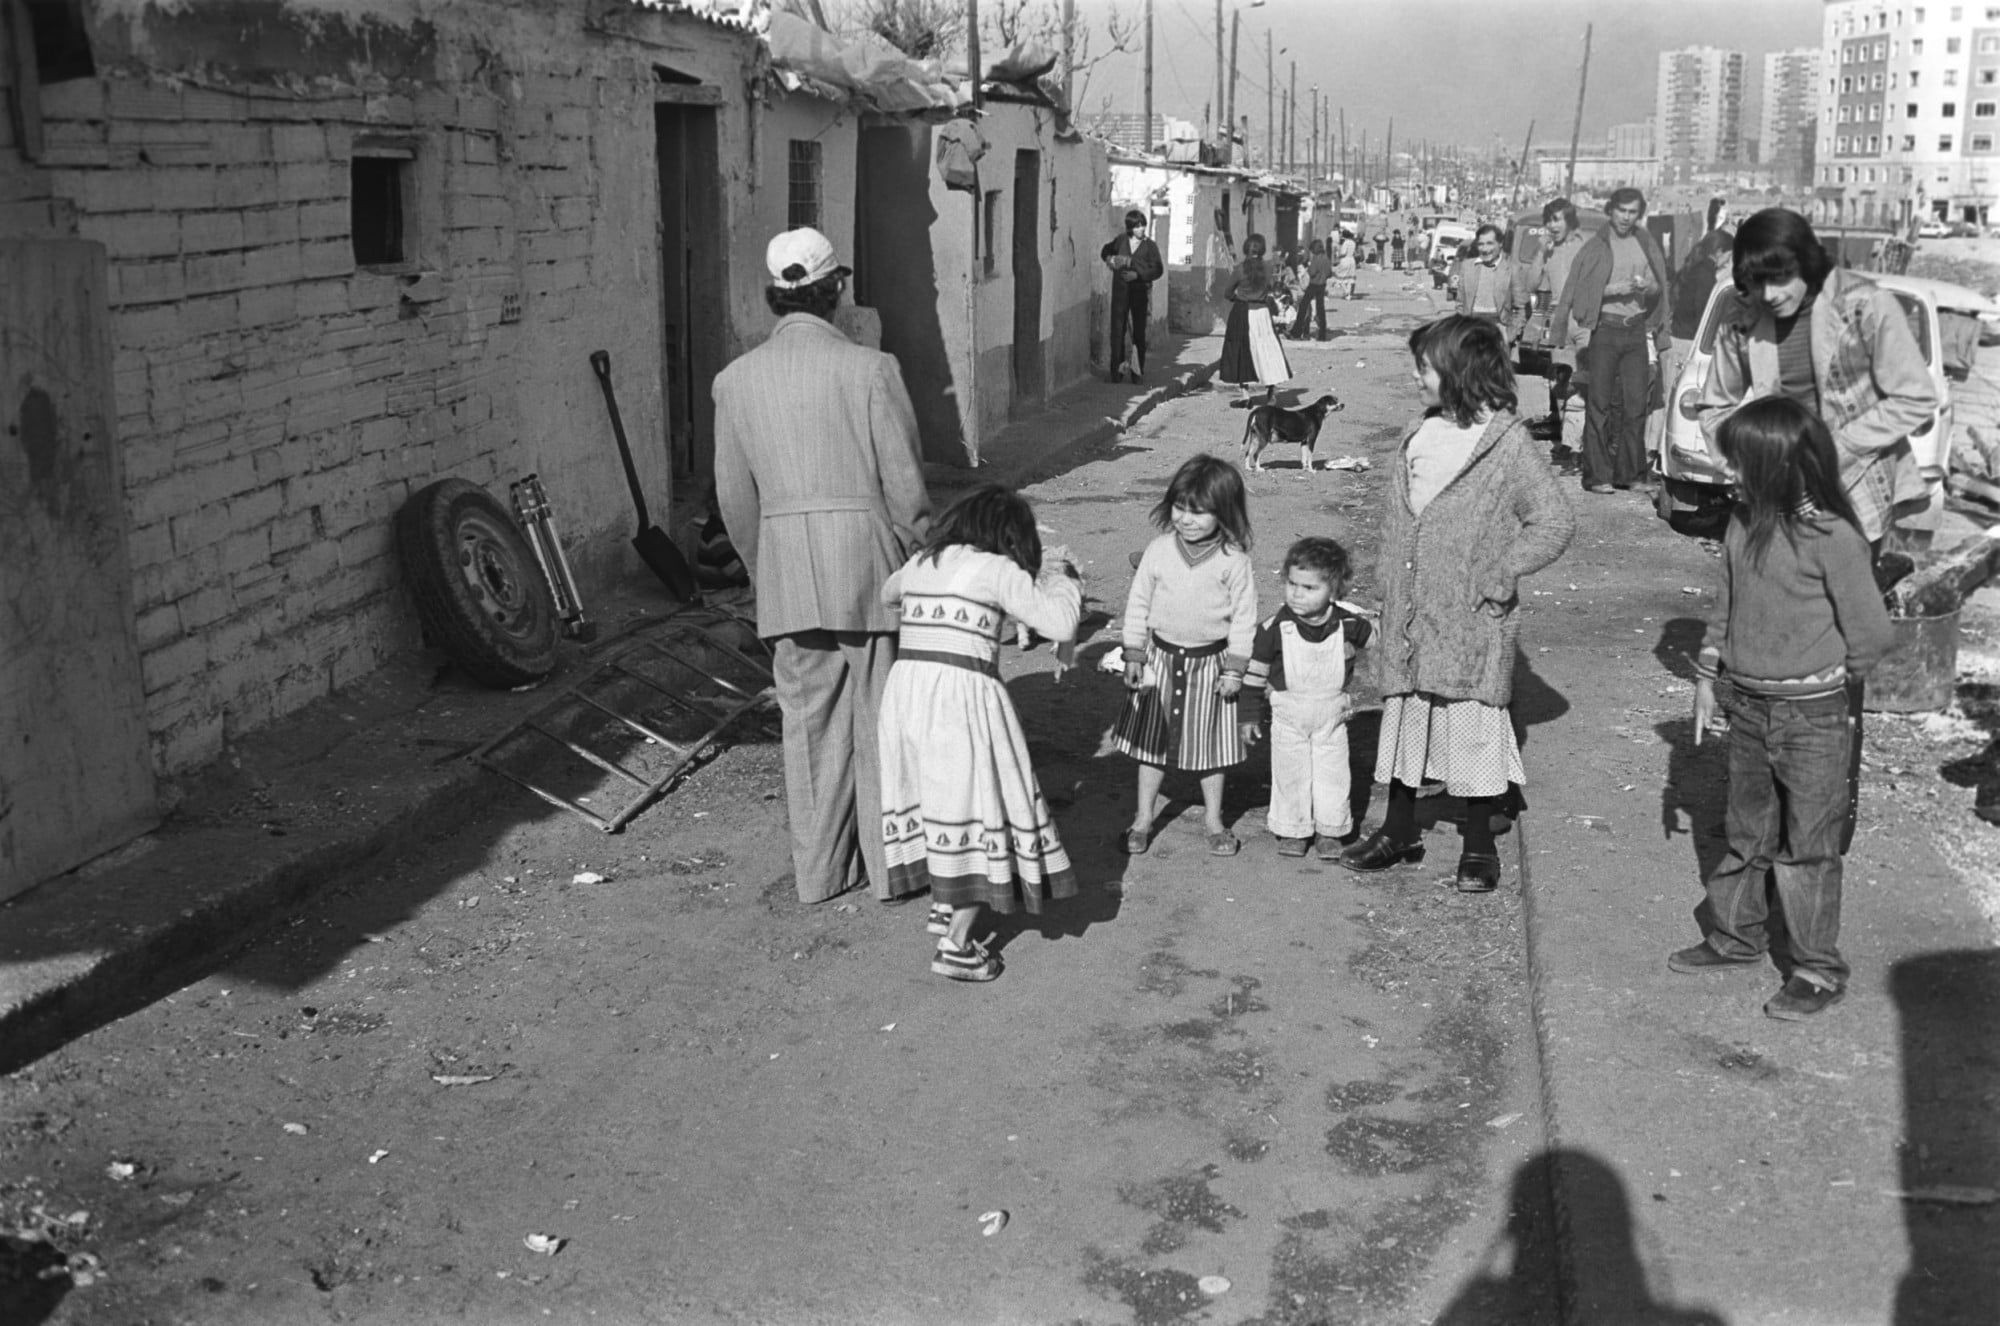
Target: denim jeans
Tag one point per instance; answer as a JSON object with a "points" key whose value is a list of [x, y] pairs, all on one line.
{"points": [[1787, 807], [1311, 302]]}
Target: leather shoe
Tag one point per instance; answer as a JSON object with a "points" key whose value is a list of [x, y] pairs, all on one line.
{"points": [[1801, 999], [1378, 851], [1478, 872], [1701, 958]]}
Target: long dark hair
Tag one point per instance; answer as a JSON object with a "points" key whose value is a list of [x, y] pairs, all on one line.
{"points": [[1777, 244], [1784, 458], [992, 519], [1470, 357], [1212, 486]]}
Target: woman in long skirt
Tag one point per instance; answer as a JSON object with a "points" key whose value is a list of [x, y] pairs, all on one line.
{"points": [[1252, 354]]}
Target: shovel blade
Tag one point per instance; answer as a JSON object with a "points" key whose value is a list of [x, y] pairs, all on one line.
{"points": [[660, 555]]}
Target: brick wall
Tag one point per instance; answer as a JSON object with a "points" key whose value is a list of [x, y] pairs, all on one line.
{"points": [[276, 404]]}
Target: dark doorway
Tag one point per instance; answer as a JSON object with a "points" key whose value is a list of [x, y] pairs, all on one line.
{"points": [[692, 281], [1287, 224], [1030, 384], [896, 275]]}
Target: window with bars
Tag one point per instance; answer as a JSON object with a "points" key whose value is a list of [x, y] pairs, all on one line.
{"points": [[802, 184]]}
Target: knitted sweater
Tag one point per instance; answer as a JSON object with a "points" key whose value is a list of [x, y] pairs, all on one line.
{"points": [[1500, 518], [1804, 619], [1191, 595]]}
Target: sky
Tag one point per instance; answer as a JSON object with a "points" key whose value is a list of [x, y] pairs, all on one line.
{"points": [[1471, 72]]}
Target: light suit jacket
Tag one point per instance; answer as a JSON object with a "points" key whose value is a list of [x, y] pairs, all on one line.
{"points": [[819, 475]]}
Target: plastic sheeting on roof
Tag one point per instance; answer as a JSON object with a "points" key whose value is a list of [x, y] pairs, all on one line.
{"points": [[747, 14], [805, 56]]}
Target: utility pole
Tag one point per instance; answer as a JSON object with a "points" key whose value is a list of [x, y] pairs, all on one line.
{"points": [[1069, 54], [1270, 107], [1576, 129], [1389, 156], [1146, 135], [1312, 155], [1343, 151], [972, 50], [1522, 165], [1219, 102], [1235, 34], [1292, 121]]}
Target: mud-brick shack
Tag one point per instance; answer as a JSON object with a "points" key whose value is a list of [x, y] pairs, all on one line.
{"points": [[270, 269]]}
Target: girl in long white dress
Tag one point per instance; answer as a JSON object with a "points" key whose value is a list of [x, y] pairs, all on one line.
{"points": [[962, 814]]}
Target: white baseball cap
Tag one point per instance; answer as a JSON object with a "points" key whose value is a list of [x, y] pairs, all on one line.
{"points": [[800, 257]]}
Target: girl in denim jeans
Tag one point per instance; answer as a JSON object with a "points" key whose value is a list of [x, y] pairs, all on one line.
{"points": [[1798, 615]]}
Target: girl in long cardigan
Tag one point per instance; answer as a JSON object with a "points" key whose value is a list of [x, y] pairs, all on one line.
{"points": [[1472, 509]]}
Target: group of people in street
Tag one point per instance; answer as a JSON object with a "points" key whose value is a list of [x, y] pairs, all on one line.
{"points": [[906, 765]]}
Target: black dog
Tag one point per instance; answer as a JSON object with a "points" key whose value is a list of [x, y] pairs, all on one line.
{"points": [[1269, 423]]}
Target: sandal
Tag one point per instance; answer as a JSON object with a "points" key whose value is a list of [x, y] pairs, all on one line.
{"points": [[1292, 846], [1135, 842], [971, 963], [1224, 843], [940, 919]]}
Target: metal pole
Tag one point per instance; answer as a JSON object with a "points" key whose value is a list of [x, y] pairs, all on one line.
{"points": [[1576, 129], [1146, 135]]}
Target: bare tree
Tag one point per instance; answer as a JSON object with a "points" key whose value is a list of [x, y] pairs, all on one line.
{"points": [[921, 29]]}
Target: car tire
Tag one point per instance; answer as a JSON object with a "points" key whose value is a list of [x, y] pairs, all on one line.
{"points": [[1694, 510], [478, 589]]}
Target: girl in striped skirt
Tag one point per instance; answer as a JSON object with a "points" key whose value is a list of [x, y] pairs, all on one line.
{"points": [[962, 814], [1189, 621]]}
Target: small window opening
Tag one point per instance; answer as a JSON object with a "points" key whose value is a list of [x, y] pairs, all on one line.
{"points": [[803, 184], [380, 204], [62, 43]]}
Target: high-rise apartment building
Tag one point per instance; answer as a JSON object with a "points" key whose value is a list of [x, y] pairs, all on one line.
{"points": [[1789, 127], [1698, 111], [1909, 113]]}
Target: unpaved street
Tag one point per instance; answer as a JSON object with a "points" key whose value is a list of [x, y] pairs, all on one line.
{"points": [[731, 1108]]}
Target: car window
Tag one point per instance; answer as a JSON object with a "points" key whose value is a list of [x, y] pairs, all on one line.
{"points": [[1722, 306], [1920, 325]]}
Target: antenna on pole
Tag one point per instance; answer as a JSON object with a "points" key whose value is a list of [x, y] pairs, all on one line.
{"points": [[1576, 129]]}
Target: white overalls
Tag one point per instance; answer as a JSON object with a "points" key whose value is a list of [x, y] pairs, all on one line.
{"points": [[1309, 774]]}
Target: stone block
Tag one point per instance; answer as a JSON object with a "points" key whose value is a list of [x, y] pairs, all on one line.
{"points": [[325, 258], [130, 99], [298, 142], [210, 273], [325, 219], [270, 225], [205, 607], [206, 232], [478, 149], [200, 103], [172, 662], [147, 282], [73, 99], [157, 626], [247, 186], [133, 234], [274, 264]]}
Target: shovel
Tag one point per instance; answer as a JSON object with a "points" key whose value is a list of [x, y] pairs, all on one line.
{"points": [[656, 550]]}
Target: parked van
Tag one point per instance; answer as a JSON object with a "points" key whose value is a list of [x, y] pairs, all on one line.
{"points": [[1695, 482], [1447, 238]]}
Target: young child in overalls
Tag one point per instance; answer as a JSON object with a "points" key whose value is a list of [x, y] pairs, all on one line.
{"points": [[1299, 661]]}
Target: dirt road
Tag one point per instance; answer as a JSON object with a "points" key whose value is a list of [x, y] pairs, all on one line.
{"points": [[1313, 1085]]}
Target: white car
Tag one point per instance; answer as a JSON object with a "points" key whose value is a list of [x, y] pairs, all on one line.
{"points": [[1694, 494]]}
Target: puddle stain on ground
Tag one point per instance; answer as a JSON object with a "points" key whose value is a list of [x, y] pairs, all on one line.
{"points": [[1356, 1270], [1182, 1202], [1157, 1296]]}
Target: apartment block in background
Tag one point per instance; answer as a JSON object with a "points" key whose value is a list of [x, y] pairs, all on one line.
{"points": [[1698, 111], [1909, 113]]}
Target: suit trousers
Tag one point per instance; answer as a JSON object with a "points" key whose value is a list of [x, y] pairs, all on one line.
{"points": [[829, 686], [1131, 307], [1614, 430]]}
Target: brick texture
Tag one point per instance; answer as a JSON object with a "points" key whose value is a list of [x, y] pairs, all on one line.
{"points": [[277, 405]]}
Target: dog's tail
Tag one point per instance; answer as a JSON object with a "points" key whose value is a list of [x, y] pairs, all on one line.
{"points": [[1249, 425]]}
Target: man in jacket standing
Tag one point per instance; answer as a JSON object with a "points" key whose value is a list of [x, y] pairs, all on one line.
{"points": [[1542, 281], [1135, 264], [819, 475], [1617, 296]]}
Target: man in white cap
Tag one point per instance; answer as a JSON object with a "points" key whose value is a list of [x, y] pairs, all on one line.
{"points": [[819, 475]]}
